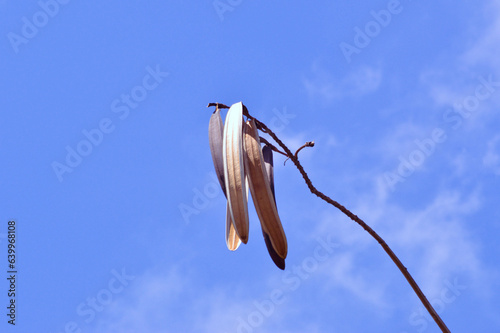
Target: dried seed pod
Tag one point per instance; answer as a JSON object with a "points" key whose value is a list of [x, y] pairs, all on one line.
{"points": [[267, 154], [260, 188], [215, 138], [234, 170]]}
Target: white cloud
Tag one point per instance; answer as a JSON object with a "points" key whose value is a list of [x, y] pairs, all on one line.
{"points": [[151, 297], [324, 87], [491, 159], [443, 91], [487, 47], [401, 140], [433, 241], [438, 241], [459, 163], [166, 299], [343, 273], [362, 81], [457, 76]]}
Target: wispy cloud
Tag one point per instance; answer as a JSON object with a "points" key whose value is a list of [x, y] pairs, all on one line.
{"points": [[173, 299], [455, 75], [491, 158], [433, 240], [149, 305], [485, 49], [324, 87], [438, 240]]}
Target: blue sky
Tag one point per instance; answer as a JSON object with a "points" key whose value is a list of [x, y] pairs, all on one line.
{"points": [[104, 145]]}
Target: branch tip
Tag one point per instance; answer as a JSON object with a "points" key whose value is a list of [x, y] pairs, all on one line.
{"points": [[218, 105]]}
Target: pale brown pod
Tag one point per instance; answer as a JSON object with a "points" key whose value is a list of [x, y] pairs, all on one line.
{"points": [[267, 154], [215, 138], [232, 239], [234, 170], [260, 188]]}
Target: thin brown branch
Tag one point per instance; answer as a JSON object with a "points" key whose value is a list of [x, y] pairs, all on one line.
{"points": [[218, 105], [271, 146], [307, 144], [356, 219]]}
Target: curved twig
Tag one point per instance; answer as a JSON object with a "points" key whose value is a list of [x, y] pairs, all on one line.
{"points": [[307, 144]]}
